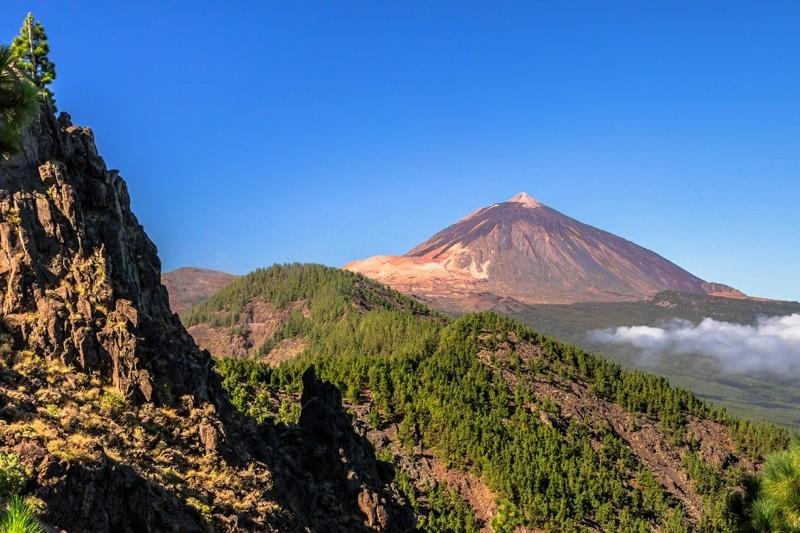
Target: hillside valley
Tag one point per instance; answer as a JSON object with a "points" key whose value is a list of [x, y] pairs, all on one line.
{"points": [[568, 279], [761, 395], [479, 407], [530, 252]]}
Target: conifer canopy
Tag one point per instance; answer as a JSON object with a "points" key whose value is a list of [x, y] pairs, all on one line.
{"points": [[30, 51]]}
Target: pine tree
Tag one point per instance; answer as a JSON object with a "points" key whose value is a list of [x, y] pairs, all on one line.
{"points": [[778, 505], [30, 51], [18, 104]]}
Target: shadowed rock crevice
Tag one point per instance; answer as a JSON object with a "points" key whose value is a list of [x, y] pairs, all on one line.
{"points": [[108, 496], [349, 456], [350, 489]]}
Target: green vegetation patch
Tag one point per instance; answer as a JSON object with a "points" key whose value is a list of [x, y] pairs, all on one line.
{"points": [[434, 379]]}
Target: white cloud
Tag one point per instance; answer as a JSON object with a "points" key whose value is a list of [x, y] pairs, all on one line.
{"points": [[771, 345]]}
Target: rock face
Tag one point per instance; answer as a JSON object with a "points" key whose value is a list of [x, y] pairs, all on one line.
{"points": [[331, 445], [83, 315], [189, 285], [524, 250], [80, 279]]}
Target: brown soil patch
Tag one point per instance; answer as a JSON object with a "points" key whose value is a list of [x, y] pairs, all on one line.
{"points": [[470, 487], [285, 350], [426, 470], [257, 323]]}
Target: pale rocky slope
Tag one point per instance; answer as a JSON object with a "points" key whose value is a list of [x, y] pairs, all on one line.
{"points": [[190, 285]]}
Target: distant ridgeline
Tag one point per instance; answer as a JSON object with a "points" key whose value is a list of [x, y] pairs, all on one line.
{"points": [[484, 420]]}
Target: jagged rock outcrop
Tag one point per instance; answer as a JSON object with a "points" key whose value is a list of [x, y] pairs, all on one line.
{"points": [[338, 457], [80, 279], [83, 314]]}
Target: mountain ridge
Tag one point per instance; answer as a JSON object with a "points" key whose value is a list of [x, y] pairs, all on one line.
{"points": [[114, 418], [189, 285]]}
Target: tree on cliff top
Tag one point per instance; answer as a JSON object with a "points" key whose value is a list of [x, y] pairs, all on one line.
{"points": [[30, 51], [19, 103]]}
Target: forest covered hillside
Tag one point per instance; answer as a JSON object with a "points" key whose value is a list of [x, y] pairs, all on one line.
{"points": [[264, 313], [487, 423], [313, 399]]}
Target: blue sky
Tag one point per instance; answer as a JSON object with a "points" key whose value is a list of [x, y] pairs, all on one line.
{"points": [[260, 132]]}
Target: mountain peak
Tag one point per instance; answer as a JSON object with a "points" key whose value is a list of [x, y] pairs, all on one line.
{"points": [[525, 199], [537, 256]]}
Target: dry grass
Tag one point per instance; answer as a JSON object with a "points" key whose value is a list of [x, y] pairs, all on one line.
{"points": [[77, 419]]}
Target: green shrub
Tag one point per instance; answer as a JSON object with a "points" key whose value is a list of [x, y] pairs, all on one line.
{"points": [[777, 507], [508, 518], [19, 104], [112, 402], [288, 411], [12, 474], [19, 518]]}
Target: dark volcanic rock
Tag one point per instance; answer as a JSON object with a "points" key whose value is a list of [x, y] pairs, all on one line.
{"points": [[107, 496], [83, 312], [81, 280], [339, 458]]}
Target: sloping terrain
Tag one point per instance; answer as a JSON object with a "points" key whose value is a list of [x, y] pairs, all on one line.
{"points": [[759, 395], [190, 285], [113, 416], [263, 314], [764, 396], [524, 250], [488, 424], [564, 278]]}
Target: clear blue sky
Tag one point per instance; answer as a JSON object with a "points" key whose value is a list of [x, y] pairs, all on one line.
{"points": [[261, 132]]}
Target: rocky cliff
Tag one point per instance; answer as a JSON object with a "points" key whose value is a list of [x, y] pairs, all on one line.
{"points": [[81, 280], [116, 414]]}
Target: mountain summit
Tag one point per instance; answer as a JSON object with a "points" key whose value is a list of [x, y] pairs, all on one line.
{"points": [[527, 251], [526, 200]]}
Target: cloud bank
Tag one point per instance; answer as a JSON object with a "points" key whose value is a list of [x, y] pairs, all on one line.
{"points": [[772, 345]]}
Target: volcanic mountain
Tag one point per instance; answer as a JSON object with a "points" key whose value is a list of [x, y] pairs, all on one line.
{"points": [[525, 251]]}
